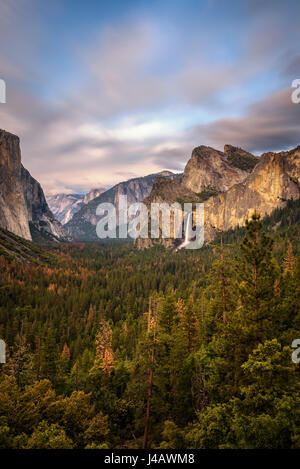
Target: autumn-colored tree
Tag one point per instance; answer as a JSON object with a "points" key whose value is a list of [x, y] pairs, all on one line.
{"points": [[289, 260], [66, 352], [104, 350]]}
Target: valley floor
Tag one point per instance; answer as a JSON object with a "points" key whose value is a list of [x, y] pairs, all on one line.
{"points": [[97, 334]]}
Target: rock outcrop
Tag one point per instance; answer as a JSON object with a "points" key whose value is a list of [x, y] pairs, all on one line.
{"points": [[23, 207], [211, 169], [273, 181], [64, 206], [270, 182], [39, 216], [13, 210], [207, 173], [240, 158], [170, 190], [92, 194], [82, 225]]}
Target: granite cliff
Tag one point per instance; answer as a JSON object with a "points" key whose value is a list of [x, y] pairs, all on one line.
{"points": [[64, 206], [212, 169], [13, 210], [260, 184], [207, 173], [40, 218], [273, 181], [23, 207], [83, 223]]}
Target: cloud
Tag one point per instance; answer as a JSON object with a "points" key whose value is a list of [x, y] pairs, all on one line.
{"points": [[123, 74], [269, 124], [291, 65], [121, 116]]}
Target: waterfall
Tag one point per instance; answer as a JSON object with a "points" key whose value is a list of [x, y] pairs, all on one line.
{"points": [[188, 232], [188, 228]]}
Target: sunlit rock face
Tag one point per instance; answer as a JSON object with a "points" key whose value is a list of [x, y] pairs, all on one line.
{"points": [[23, 207], [40, 217], [273, 181], [13, 209], [207, 173], [92, 194], [212, 169], [64, 206], [259, 184], [83, 223]]}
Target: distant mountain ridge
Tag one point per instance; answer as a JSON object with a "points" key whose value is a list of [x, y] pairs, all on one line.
{"points": [[64, 206], [83, 223], [93, 193]]}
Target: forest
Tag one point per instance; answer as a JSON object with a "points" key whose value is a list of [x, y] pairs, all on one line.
{"points": [[109, 346]]}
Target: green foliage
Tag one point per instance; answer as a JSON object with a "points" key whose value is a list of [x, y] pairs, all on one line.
{"points": [[202, 338], [242, 161], [47, 436]]}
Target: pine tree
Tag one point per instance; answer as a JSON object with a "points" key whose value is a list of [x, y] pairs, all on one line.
{"points": [[255, 318], [49, 357], [104, 351], [167, 315], [152, 332], [289, 260], [258, 272]]}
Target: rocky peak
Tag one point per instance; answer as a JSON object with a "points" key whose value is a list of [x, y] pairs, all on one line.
{"points": [[240, 158], [166, 174], [92, 194], [207, 173], [82, 225], [170, 191], [13, 210], [41, 219], [210, 169], [63, 206], [273, 181], [23, 207]]}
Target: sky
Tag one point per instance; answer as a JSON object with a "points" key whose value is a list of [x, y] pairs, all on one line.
{"points": [[100, 92]]}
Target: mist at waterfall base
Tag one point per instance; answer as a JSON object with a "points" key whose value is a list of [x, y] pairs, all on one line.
{"points": [[189, 233]]}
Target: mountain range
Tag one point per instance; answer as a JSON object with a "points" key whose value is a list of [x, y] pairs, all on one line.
{"points": [[24, 209], [82, 225], [64, 206], [232, 184]]}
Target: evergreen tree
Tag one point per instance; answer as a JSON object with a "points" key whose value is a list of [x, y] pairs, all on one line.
{"points": [[49, 357]]}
